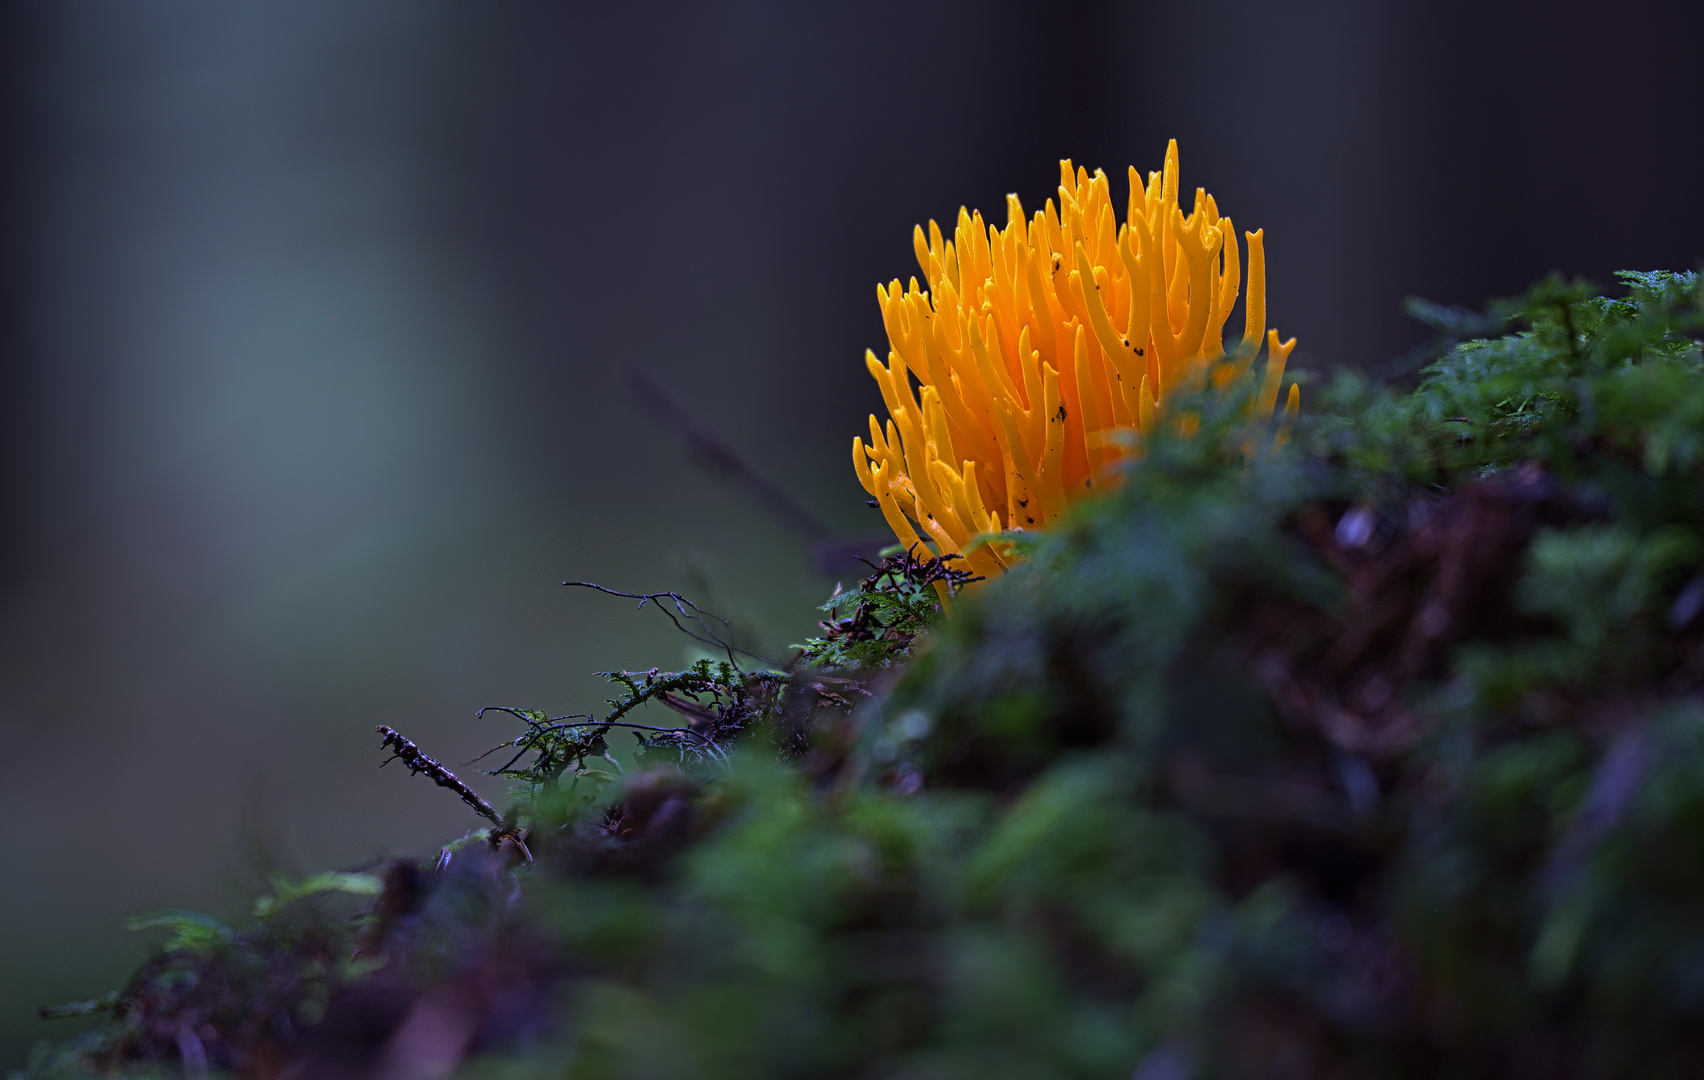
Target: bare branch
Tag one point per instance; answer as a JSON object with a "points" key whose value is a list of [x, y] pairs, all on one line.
{"points": [[417, 762]]}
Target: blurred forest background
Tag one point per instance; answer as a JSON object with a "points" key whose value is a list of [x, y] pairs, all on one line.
{"points": [[316, 319]]}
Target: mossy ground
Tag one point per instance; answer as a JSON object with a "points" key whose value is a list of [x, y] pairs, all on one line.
{"points": [[1376, 754]]}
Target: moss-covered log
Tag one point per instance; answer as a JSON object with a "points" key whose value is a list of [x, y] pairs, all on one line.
{"points": [[1379, 753]]}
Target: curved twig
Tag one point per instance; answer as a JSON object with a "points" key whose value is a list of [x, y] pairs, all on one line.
{"points": [[682, 605]]}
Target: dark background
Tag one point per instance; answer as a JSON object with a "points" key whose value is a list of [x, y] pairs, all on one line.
{"points": [[316, 316]]}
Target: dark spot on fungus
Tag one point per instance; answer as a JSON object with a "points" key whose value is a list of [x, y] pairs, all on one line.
{"points": [[1061, 413]]}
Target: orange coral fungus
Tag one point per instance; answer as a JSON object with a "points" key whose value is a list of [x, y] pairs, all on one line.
{"points": [[1034, 346]]}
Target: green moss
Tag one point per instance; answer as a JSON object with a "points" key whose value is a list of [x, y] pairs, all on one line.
{"points": [[1379, 753]]}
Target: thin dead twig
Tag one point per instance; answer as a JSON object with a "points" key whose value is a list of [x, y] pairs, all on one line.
{"points": [[683, 609]]}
